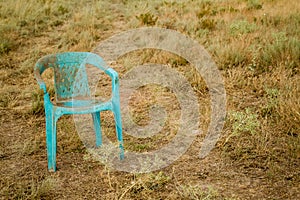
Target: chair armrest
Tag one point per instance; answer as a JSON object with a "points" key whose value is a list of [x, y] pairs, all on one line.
{"points": [[112, 73], [115, 80], [40, 81]]}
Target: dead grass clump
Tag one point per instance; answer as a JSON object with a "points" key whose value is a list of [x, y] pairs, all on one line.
{"points": [[197, 192], [6, 45], [144, 186]]}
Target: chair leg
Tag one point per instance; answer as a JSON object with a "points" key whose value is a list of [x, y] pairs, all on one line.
{"points": [[118, 124], [97, 127], [51, 140]]}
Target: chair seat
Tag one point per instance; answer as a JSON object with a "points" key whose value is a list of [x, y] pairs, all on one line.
{"points": [[82, 102], [83, 106]]}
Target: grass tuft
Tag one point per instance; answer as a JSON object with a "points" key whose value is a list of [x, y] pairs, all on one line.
{"points": [[254, 5], [147, 19]]}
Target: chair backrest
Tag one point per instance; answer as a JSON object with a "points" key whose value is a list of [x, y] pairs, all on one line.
{"points": [[70, 77]]}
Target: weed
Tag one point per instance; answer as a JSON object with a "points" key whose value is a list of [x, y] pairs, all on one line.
{"points": [[9, 99], [197, 192], [254, 4], [242, 27], [206, 23], [286, 50], [157, 180], [231, 56], [4, 100], [139, 147], [244, 122], [230, 9], [6, 45], [272, 95], [147, 19], [44, 189], [270, 21], [62, 10], [206, 9], [279, 37], [145, 185]]}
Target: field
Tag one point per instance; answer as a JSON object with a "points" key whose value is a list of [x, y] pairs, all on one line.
{"points": [[256, 46]]}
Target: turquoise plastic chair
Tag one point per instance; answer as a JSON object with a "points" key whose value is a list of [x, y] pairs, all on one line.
{"points": [[72, 94]]}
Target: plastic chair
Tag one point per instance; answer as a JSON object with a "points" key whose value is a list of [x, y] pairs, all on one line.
{"points": [[73, 95]]}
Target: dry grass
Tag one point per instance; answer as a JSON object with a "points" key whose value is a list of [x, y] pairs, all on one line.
{"points": [[256, 45]]}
